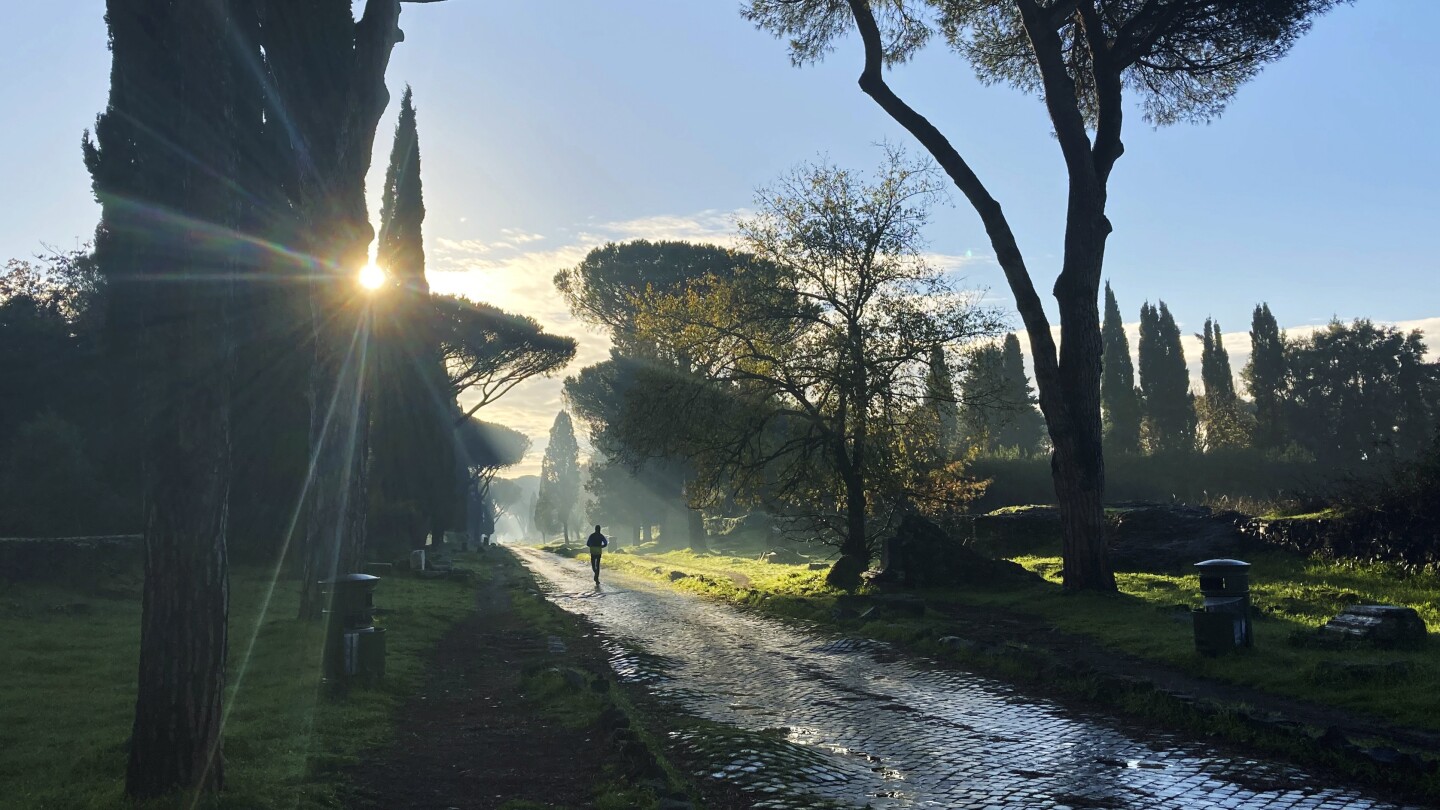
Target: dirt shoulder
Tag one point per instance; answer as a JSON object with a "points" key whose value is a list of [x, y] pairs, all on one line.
{"points": [[521, 711], [468, 739]]}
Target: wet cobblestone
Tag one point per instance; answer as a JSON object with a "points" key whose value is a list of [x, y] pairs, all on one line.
{"points": [[802, 719]]}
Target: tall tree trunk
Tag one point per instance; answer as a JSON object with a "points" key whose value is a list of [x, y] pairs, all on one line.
{"points": [[178, 109], [1078, 462], [329, 70], [855, 544], [698, 539]]}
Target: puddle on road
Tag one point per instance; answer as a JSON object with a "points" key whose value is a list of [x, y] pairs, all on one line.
{"points": [[800, 718]]}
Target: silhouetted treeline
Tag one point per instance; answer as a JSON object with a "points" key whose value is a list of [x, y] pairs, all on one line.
{"points": [[63, 439]]}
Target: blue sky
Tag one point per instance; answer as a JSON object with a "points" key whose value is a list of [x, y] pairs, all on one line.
{"points": [[550, 126]]}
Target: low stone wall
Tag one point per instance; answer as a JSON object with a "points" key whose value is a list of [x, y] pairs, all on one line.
{"points": [[71, 560], [1367, 537]]}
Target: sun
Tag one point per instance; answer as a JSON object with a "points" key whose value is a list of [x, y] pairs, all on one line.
{"points": [[372, 277]]}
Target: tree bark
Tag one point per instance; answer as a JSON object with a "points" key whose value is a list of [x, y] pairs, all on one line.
{"points": [[188, 103], [329, 70], [698, 539]]}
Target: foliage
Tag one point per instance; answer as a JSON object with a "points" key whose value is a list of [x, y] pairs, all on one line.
{"points": [[627, 404], [1222, 478], [1266, 377], [813, 362], [413, 491], [49, 486], [1120, 400], [1360, 393], [488, 351], [644, 476], [1390, 517], [487, 446], [66, 283], [51, 322], [608, 287], [942, 403], [1169, 425], [999, 414], [1223, 422]]}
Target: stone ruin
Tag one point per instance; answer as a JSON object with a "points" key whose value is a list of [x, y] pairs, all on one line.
{"points": [[1389, 626]]}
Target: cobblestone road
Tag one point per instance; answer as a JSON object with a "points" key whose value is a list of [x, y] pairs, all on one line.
{"points": [[817, 720]]}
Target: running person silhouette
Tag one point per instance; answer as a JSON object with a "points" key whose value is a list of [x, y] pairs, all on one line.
{"points": [[595, 542]]}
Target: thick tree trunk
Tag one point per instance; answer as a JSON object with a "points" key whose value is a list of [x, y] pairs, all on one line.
{"points": [[698, 539], [1078, 463], [186, 138], [855, 548], [329, 70], [855, 544], [646, 532], [175, 741], [335, 528]]}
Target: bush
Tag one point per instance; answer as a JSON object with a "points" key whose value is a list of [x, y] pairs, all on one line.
{"points": [[1390, 517], [1241, 474], [50, 486]]}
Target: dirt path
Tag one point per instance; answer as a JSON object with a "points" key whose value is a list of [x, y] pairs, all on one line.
{"points": [[468, 739]]}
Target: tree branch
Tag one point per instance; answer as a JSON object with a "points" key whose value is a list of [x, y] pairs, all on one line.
{"points": [[1007, 251]]}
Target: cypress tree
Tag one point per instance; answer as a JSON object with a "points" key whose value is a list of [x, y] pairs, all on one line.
{"points": [[998, 405], [1117, 384], [1225, 425], [1266, 377], [1215, 365], [981, 400], [559, 476], [940, 399], [413, 474], [1165, 383], [1023, 428]]}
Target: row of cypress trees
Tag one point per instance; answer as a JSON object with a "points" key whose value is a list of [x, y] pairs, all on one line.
{"points": [[1347, 394]]}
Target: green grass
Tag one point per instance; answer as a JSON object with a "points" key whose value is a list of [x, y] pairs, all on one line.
{"points": [[1294, 595], [67, 692], [735, 575]]}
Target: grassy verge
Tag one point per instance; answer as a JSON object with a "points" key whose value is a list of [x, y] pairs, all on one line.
{"points": [[1293, 597], [67, 692]]}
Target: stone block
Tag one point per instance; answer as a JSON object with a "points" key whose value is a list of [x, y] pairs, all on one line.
{"points": [[1377, 625]]}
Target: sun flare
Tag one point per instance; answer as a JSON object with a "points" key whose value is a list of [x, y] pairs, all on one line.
{"points": [[372, 277]]}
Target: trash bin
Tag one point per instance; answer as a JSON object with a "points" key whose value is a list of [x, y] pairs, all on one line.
{"points": [[1223, 622], [354, 646]]}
